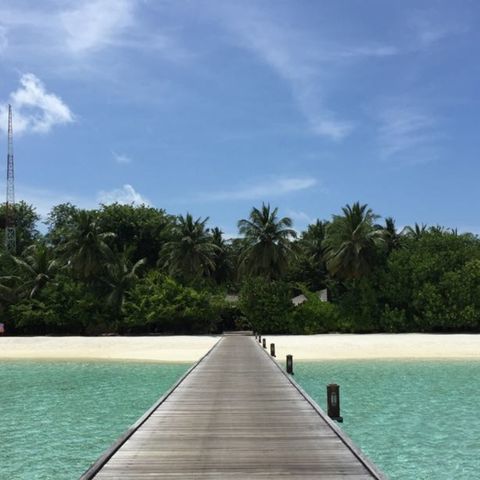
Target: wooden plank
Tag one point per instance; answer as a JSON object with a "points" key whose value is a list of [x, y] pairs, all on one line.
{"points": [[236, 414], [100, 462]]}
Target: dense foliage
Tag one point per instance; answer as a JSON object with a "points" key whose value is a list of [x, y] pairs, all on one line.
{"points": [[136, 269]]}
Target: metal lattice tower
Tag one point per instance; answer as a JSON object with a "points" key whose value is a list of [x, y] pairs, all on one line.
{"points": [[10, 220]]}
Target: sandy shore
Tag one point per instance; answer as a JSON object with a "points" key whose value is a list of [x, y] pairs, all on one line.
{"points": [[191, 348], [344, 346], [152, 348]]}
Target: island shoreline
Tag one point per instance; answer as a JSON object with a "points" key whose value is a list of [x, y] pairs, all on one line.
{"points": [[183, 349]]}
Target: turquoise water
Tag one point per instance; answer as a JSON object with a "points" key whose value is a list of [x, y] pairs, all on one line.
{"points": [[58, 417], [417, 420]]}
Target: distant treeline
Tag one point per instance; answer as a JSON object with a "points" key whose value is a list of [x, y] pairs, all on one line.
{"points": [[136, 269]]}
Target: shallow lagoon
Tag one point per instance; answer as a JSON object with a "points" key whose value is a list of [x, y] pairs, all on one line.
{"points": [[58, 417], [417, 420]]}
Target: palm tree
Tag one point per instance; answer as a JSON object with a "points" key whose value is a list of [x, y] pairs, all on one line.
{"points": [[390, 235], [85, 248], [415, 232], [191, 253], [310, 267], [439, 230], [120, 276], [312, 242], [222, 259], [351, 242], [10, 283], [267, 240], [9, 291], [38, 267]]}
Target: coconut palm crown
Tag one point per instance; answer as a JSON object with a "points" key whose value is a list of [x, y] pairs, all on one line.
{"points": [[191, 253], [38, 267], [267, 242], [416, 232], [120, 276], [351, 242], [85, 248], [392, 238]]}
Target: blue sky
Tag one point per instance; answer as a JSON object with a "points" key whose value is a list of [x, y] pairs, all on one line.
{"points": [[215, 106]]}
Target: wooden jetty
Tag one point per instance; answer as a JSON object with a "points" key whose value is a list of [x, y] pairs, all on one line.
{"points": [[234, 415]]}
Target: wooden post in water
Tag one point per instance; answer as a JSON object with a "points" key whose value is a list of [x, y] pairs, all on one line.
{"points": [[264, 344], [272, 349], [333, 402], [290, 364]]}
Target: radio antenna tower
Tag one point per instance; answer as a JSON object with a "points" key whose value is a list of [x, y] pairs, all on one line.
{"points": [[10, 220]]}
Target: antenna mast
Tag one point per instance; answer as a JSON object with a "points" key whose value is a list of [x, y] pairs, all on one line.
{"points": [[10, 221]]}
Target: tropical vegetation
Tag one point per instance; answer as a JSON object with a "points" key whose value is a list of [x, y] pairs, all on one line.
{"points": [[125, 269]]}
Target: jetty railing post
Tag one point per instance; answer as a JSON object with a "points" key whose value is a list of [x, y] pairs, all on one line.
{"points": [[272, 349], [264, 344], [290, 364], [259, 338], [333, 402]]}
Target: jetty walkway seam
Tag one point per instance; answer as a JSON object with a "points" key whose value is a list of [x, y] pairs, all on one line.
{"points": [[366, 462], [90, 473]]}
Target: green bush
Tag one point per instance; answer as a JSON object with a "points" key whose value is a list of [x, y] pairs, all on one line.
{"points": [[393, 320], [32, 317], [160, 304], [432, 285], [314, 316], [267, 305], [63, 307], [358, 305]]}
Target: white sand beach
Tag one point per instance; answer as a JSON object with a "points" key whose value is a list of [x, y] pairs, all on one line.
{"points": [[191, 348], [152, 348], [349, 346]]}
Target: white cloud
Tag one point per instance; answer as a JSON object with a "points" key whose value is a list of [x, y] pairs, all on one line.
{"points": [[43, 199], [125, 195], [34, 109], [288, 53], [430, 28], [92, 25], [307, 62], [301, 219], [230, 235], [121, 158], [322, 122], [262, 191], [368, 51], [67, 36], [300, 216], [406, 129]]}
